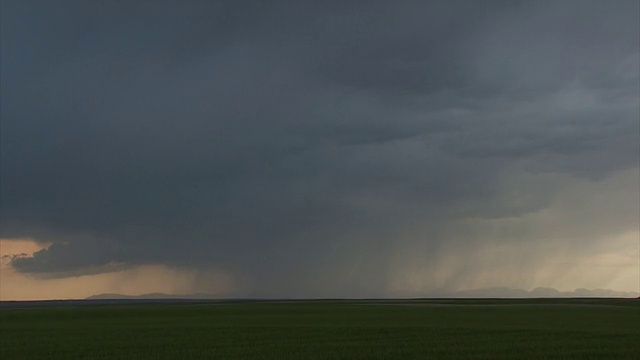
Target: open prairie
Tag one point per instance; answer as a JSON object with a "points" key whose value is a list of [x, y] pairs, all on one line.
{"points": [[377, 329]]}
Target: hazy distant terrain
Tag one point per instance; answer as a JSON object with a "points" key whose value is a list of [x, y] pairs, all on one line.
{"points": [[151, 296], [542, 292], [495, 292]]}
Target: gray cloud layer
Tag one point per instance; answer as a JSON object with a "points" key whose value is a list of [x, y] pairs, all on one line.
{"points": [[307, 145]]}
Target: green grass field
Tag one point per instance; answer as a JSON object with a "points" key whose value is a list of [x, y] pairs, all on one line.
{"points": [[444, 329]]}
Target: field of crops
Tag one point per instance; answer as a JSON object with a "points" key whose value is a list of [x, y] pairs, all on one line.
{"points": [[453, 329]]}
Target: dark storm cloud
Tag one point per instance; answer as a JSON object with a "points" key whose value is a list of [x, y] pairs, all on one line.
{"points": [[292, 141]]}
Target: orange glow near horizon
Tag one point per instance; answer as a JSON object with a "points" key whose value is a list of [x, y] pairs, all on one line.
{"points": [[136, 280]]}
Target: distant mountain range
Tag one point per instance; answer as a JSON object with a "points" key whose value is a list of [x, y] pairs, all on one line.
{"points": [[540, 292], [494, 292]]}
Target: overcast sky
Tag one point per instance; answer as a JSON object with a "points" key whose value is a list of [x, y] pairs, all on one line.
{"points": [[323, 148]]}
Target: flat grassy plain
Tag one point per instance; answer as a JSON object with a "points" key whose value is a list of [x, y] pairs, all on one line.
{"points": [[416, 329]]}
